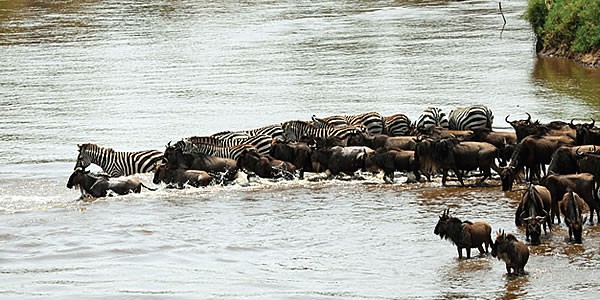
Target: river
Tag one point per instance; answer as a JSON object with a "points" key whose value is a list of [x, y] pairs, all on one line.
{"points": [[135, 75]]}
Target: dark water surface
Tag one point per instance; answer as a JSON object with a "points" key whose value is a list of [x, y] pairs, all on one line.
{"points": [[135, 75]]}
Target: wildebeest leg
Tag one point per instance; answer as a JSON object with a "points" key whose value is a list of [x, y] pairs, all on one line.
{"points": [[459, 252], [459, 175], [481, 252], [508, 269], [444, 176], [570, 234], [468, 249]]}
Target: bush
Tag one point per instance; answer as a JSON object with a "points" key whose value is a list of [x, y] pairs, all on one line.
{"points": [[567, 25]]}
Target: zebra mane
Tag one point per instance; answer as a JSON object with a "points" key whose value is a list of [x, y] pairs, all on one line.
{"points": [[90, 146]]}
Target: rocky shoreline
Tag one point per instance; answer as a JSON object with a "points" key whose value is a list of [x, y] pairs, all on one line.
{"points": [[591, 60]]}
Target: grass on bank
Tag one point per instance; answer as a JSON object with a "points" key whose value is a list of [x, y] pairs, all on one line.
{"points": [[566, 26]]}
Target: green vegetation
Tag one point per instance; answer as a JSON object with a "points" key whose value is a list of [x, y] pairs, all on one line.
{"points": [[566, 27]]}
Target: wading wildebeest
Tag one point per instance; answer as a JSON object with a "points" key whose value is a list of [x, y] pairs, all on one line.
{"points": [[176, 159], [513, 252], [340, 159], [465, 234], [180, 177], [391, 161], [582, 184], [572, 208], [264, 166], [98, 185], [587, 133], [504, 141], [533, 211], [565, 159], [450, 154], [532, 153], [294, 152]]}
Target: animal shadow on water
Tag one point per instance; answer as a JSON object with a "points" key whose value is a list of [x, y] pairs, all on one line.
{"points": [[464, 234]]}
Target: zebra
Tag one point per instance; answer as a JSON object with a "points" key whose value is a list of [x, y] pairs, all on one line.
{"points": [[262, 142], [232, 152], [275, 131], [397, 125], [296, 130], [373, 121], [117, 163], [431, 117], [472, 117]]}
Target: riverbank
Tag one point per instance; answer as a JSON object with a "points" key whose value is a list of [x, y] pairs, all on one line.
{"points": [[567, 29]]}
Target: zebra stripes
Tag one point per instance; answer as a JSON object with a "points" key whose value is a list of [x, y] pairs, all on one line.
{"points": [[233, 152], [373, 121], [472, 117], [275, 131], [397, 125], [431, 117], [262, 142], [117, 163], [296, 130]]}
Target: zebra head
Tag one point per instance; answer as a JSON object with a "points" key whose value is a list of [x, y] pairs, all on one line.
{"points": [[83, 158]]}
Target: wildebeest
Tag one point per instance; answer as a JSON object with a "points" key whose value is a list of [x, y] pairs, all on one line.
{"points": [[513, 252], [264, 166], [582, 184], [176, 159], [294, 152], [533, 211], [587, 133], [565, 159], [531, 153], [524, 128], [465, 234], [98, 185], [450, 154], [378, 141], [504, 141], [572, 208], [180, 177], [340, 159], [391, 161]]}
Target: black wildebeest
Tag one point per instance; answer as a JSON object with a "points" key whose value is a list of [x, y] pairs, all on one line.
{"points": [[391, 161], [504, 141], [572, 208], [294, 152], [586, 133], [450, 154], [176, 159], [513, 252], [532, 152], [98, 185], [465, 234], [582, 184], [564, 159], [533, 211], [180, 177], [265, 166], [340, 159]]}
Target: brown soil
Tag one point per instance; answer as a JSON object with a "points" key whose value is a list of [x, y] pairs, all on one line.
{"points": [[587, 59]]}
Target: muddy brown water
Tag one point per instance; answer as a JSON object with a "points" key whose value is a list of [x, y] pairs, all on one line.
{"points": [[135, 75]]}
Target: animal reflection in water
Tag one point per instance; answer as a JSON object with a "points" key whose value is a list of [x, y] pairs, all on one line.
{"points": [[98, 185], [465, 234]]}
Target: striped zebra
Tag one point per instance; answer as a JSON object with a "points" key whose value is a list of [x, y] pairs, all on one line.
{"points": [[233, 152], [373, 121], [397, 125], [472, 117], [118, 163], [275, 131], [262, 142], [431, 117], [296, 130]]}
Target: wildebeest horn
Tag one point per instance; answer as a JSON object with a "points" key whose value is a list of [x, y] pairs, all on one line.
{"points": [[506, 119], [593, 122], [540, 218], [572, 122], [528, 117]]}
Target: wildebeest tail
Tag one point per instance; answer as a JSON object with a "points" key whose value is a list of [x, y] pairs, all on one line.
{"points": [[149, 188]]}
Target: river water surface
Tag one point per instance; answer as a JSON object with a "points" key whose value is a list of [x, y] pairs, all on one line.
{"points": [[135, 75]]}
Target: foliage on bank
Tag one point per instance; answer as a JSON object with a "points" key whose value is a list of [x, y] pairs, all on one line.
{"points": [[567, 28]]}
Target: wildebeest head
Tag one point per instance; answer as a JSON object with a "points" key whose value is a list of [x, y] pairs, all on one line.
{"points": [[582, 131], [534, 227], [502, 244], [524, 128], [574, 218], [76, 177], [507, 176], [441, 228]]}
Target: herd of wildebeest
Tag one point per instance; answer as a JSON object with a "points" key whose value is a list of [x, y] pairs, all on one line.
{"points": [[558, 161]]}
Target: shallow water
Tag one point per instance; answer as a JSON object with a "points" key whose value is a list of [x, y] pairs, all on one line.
{"points": [[134, 76]]}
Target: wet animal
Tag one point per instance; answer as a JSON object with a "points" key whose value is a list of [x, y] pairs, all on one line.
{"points": [[533, 212], [181, 177], [572, 208], [98, 185], [117, 163], [465, 235], [512, 251]]}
